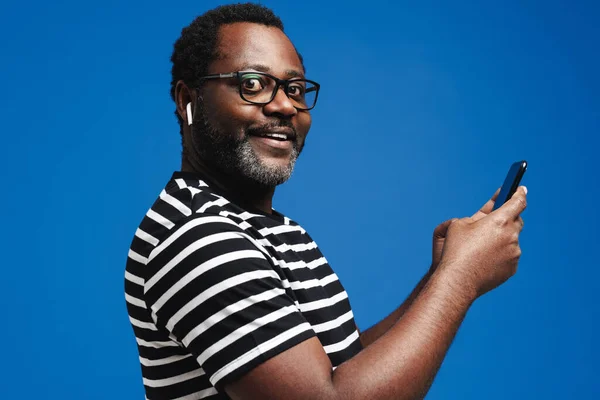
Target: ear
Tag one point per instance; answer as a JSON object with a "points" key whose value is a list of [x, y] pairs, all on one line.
{"points": [[184, 96]]}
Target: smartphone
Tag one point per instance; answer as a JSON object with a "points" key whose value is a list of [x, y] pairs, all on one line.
{"points": [[511, 183]]}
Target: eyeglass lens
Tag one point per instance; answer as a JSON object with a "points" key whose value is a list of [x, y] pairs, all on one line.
{"points": [[258, 88]]}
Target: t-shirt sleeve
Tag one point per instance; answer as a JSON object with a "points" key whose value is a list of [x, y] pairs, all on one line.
{"points": [[213, 288]]}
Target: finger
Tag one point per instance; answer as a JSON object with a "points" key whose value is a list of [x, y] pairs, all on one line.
{"points": [[517, 203], [441, 229], [487, 207], [495, 196]]}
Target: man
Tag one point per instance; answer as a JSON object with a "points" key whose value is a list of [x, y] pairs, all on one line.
{"points": [[227, 297]]}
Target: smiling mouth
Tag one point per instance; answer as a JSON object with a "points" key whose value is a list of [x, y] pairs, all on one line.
{"points": [[282, 137], [275, 143], [278, 132]]}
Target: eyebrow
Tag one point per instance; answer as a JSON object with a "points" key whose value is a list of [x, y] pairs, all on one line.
{"points": [[290, 73]]}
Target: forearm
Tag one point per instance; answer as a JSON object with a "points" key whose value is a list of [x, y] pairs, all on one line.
{"points": [[376, 331], [404, 361]]}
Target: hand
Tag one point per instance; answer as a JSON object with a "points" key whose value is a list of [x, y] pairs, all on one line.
{"points": [[439, 237], [482, 252], [439, 233]]}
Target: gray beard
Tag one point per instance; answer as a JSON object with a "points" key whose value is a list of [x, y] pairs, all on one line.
{"points": [[235, 156]]}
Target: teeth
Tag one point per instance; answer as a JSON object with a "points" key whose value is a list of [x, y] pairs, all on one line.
{"points": [[277, 135]]}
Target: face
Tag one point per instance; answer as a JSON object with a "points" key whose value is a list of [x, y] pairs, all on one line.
{"points": [[229, 132]]}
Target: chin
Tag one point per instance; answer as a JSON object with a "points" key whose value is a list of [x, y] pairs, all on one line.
{"points": [[269, 173], [266, 170]]}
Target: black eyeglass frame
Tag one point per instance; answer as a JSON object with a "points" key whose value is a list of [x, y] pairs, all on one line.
{"points": [[278, 82]]}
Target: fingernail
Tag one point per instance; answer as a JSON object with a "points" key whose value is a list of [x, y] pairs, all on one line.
{"points": [[525, 189]]}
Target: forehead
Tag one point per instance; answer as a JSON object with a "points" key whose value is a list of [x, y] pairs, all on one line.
{"points": [[243, 44]]}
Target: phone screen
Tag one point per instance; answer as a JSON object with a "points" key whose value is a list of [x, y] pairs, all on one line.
{"points": [[511, 183]]}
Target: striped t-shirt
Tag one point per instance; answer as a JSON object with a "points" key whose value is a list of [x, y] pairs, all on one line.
{"points": [[213, 289]]}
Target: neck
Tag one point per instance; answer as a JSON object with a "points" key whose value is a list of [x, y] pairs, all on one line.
{"points": [[240, 188]]}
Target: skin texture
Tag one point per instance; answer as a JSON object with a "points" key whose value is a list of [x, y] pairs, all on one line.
{"points": [[470, 256]]}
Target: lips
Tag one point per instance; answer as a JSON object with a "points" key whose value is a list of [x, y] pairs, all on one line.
{"points": [[275, 134], [278, 140], [274, 146]]}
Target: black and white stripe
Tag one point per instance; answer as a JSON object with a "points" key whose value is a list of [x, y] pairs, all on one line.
{"points": [[213, 290]]}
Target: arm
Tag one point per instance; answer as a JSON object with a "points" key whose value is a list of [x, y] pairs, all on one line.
{"points": [[376, 331], [479, 255], [439, 236], [400, 365]]}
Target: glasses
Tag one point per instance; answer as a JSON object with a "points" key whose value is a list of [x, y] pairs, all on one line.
{"points": [[261, 88]]}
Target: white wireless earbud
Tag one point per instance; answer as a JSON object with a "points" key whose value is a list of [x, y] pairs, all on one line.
{"points": [[188, 108]]}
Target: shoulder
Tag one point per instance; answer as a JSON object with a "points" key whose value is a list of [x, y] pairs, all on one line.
{"points": [[186, 208], [186, 198]]}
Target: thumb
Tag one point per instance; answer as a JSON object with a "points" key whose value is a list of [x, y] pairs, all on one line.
{"points": [[517, 203], [441, 229]]}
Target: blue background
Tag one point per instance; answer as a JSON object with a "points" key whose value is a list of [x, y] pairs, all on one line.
{"points": [[422, 110]]}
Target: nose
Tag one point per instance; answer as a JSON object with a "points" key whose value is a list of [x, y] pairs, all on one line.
{"points": [[280, 105]]}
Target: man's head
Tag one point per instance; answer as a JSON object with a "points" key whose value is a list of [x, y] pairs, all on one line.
{"points": [[228, 131]]}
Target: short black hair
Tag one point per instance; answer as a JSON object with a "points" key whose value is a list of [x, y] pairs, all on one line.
{"points": [[197, 46]]}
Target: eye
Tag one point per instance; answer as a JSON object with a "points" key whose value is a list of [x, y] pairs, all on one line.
{"points": [[252, 84], [296, 89]]}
